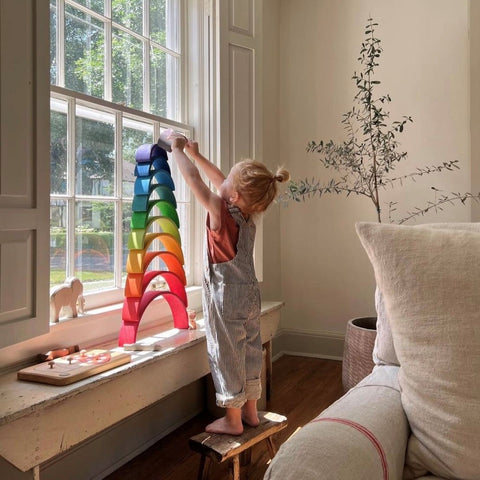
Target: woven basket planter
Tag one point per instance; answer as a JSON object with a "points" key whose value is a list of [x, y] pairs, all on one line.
{"points": [[358, 349]]}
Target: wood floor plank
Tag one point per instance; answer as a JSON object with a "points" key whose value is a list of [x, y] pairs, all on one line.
{"points": [[302, 387]]}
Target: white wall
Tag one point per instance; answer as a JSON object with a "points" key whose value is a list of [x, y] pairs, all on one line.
{"points": [[271, 285], [475, 101], [327, 278]]}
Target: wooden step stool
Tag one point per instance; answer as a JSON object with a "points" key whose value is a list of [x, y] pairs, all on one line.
{"points": [[220, 447]]}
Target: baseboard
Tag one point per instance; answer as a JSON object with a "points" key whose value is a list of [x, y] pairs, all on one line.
{"points": [[326, 345]]}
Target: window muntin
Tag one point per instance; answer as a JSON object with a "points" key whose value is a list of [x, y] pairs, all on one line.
{"points": [[93, 140]]}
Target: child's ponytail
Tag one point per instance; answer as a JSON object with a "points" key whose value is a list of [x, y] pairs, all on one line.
{"points": [[282, 175], [258, 185]]}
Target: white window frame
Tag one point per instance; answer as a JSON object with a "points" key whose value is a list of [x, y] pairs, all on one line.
{"points": [[113, 295], [102, 325], [73, 99], [110, 24]]}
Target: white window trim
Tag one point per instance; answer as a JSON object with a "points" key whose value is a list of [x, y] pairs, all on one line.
{"points": [[192, 27], [103, 324], [115, 294]]}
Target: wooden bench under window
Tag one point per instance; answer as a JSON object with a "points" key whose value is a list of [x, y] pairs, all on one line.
{"points": [[39, 422]]}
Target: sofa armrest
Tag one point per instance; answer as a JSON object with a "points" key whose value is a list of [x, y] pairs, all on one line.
{"points": [[362, 436]]}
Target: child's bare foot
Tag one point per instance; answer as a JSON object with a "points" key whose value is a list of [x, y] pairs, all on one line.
{"points": [[250, 414], [230, 424], [222, 425], [252, 421]]}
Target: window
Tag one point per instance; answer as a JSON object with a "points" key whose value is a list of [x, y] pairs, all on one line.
{"points": [[116, 83]]}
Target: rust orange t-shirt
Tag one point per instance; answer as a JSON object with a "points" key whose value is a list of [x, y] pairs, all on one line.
{"points": [[222, 243]]}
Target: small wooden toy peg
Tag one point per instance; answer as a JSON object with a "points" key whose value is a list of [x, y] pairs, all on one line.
{"points": [[51, 364]]}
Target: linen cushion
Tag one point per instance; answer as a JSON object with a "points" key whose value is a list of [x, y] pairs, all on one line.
{"points": [[384, 350], [362, 436], [429, 279]]}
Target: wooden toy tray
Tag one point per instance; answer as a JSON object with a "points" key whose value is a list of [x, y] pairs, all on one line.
{"points": [[72, 368]]}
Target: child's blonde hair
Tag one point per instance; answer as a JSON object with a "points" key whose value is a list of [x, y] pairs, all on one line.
{"points": [[257, 185]]}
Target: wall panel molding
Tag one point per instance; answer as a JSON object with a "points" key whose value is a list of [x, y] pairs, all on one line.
{"points": [[242, 103], [237, 90], [241, 17], [24, 170]]}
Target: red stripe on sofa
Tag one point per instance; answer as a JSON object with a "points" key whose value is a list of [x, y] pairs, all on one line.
{"points": [[367, 433]]}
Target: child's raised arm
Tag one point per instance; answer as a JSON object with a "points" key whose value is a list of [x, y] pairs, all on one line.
{"points": [[211, 201], [212, 172]]}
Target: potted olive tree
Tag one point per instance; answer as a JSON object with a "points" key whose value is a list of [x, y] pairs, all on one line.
{"points": [[364, 164], [365, 161]]}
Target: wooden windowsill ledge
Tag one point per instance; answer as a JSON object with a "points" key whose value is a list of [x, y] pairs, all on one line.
{"points": [[56, 418]]}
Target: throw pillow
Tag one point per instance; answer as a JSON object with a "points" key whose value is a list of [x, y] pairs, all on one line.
{"points": [[384, 350], [429, 279]]}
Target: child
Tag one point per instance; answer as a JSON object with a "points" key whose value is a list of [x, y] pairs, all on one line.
{"points": [[231, 297]]}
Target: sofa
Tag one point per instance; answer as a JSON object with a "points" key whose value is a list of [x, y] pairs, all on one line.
{"points": [[417, 415]]}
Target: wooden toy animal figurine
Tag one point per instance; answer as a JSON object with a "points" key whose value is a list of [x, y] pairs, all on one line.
{"points": [[67, 296]]}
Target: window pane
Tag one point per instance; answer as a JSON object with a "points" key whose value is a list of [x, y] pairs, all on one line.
{"points": [[128, 13], [58, 149], [164, 78], [127, 70], [94, 190], [95, 152], [183, 211], [95, 5], [126, 229], [94, 244], [134, 134], [58, 241], [53, 42], [84, 53], [182, 192], [163, 31]]}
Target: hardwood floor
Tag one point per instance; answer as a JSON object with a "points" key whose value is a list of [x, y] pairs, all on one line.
{"points": [[302, 388]]}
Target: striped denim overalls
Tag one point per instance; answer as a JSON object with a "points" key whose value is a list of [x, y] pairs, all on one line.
{"points": [[231, 303]]}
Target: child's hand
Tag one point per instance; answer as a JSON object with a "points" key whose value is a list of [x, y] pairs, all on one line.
{"points": [[191, 148], [178, 141]]}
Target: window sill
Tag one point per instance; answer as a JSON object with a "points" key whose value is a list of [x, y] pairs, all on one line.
{"points": [[97, 326], [61, 417]]}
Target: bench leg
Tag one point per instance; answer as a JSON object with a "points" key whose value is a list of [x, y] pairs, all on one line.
{"points": [[236, 467], [268, 351], [245, 461], [204, 467], [271, 447]]}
